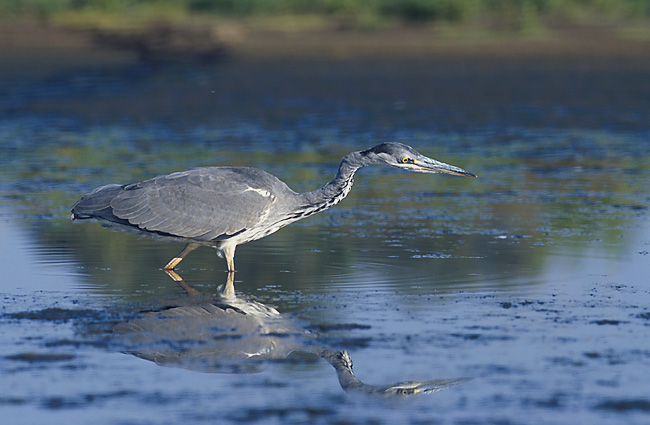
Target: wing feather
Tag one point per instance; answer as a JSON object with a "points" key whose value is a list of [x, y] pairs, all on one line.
{"points": [[203, 204]]}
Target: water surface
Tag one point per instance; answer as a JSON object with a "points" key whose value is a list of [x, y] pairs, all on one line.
{"points": [[531, 279]]}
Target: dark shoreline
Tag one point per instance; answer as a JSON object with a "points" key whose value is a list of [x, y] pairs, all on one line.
{"points": [[32, 48]]}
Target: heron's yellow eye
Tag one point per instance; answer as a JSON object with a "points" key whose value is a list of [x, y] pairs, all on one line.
{"points": [[406, 160]]}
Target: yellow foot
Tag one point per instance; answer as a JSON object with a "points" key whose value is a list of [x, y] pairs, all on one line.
{"points": [[173, 263]]}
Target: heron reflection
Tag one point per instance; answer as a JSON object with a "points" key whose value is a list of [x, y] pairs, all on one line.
{"points": [[230, 334]]}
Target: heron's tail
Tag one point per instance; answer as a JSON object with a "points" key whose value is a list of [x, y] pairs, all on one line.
{"points": [[97, 204]]}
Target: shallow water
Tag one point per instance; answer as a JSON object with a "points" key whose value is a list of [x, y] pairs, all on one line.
{"points": [[531, 280]]}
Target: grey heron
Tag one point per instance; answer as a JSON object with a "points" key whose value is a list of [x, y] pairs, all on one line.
{"points": [[223, 207]]}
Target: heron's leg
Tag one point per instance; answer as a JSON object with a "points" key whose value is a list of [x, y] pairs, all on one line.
{"points": [[229, 253], [178, 279], [228, 290], [174, 261]]}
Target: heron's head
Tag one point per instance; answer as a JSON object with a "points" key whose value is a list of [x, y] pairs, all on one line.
{"points": [[405, 157]]}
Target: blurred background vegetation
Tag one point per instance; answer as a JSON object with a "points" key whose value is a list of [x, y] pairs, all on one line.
{"points": [[517, 15]]}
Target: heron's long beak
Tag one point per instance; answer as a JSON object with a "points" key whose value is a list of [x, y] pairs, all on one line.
{"points": [[421, 387], [428, 165]]}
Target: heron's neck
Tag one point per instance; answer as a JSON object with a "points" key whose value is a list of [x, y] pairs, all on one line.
{"points": [[333, 192], [343, 365]]}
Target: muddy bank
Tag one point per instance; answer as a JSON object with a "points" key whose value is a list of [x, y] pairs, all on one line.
{"points": [[29, 47]]}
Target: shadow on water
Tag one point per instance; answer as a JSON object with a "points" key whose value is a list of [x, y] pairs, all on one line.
{"points": [[226, 333]]}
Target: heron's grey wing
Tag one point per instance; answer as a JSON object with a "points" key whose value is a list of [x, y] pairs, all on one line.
{"points": [[203, 204]]}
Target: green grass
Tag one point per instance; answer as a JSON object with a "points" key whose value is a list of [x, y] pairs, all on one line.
{"points": [[524, 15]]}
